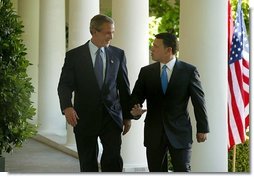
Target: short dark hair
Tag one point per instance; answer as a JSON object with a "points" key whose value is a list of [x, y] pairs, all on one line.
{"points": [[98, 20], [169, 40]]}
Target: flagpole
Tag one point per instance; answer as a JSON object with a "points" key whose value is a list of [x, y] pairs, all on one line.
{"points": [[234, 157]]}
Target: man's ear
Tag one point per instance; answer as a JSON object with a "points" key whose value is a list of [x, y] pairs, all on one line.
{"points": [[170, 50]]}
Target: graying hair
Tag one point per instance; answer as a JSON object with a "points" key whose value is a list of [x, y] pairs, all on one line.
{"points": [[98, 20]]}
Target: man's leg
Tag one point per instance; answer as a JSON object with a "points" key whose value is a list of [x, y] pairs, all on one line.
{"points": [[87, 151], [157, 159], [180, 159], [111, 160]]}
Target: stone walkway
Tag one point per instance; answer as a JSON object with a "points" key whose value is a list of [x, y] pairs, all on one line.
{"points": [[35, 157]]}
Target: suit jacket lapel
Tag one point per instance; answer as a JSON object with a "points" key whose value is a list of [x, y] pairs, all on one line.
{"points": [[110, 61], [173, 77], [85, 64], [156, 74], [84, 61], [87, 56]]}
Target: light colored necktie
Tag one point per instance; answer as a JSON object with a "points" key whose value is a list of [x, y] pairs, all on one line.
{"points": [[164, 78], [98, 68]]}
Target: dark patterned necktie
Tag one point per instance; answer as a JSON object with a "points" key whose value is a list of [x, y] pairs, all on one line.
{"points": [[98, 68]]}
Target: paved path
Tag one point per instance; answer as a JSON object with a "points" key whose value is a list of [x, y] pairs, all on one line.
{"points": [[35, 157]]}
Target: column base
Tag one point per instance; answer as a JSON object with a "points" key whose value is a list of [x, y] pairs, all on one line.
{"points": [[135, 168], [57, 142]]}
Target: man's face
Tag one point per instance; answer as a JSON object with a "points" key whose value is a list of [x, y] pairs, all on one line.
{"points": [[105, 35], [158, 51]]}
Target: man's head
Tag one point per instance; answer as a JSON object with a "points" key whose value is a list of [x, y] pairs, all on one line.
{"points": [[102, 30], [164, 47]]}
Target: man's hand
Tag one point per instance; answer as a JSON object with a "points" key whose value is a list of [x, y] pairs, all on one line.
{"points": [[71, 116], [126, 125], [201, 137], [137, 110]]}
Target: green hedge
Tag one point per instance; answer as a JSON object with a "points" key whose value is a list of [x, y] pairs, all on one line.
{"points": [[16, 109], [242, 158]]}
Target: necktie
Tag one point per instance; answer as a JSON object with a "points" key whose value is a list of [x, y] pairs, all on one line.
{"points": [[98, 68], [164, 79]]}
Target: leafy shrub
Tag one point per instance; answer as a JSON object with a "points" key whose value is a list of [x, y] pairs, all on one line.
{"points": [[242, 163], [15, 86]]}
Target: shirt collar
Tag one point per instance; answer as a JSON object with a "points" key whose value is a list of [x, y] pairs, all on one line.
{"points": [[170, 64], [94, 48]]}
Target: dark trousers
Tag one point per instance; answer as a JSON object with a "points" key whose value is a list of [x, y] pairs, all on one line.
{"points": [[87, 146], [157, 157]]}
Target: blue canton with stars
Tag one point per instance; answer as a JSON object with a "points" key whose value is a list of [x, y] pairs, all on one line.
{"points": [[240, 40]]}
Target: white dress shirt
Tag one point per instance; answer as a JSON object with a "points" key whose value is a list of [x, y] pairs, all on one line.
{"points": [[170, 65]]}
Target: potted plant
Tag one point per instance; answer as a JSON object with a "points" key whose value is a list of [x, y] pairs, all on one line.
{"points": [[16, 108]]}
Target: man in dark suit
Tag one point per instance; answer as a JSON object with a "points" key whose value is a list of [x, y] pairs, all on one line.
{"points": [[167, 86], [97, 74]]}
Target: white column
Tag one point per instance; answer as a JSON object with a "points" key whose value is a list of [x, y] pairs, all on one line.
{"points": [[29, 13], [131, 34], [203, 42], [80, 14], [52, 52]]}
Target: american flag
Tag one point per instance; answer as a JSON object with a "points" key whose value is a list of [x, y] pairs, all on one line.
{"points": [[238, 79]]}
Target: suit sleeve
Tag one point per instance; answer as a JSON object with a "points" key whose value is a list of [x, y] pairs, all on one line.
{"points": [[66, 84], [138, 93], [124, 87], [198, 102]]}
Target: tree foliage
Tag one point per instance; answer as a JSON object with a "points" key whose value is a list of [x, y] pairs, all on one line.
{"points": [[245, 8], [15, 86], [169, 14]]}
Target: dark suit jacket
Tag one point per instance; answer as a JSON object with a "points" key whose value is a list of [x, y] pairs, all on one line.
{"points": [[169, 111], [78, 76]]}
